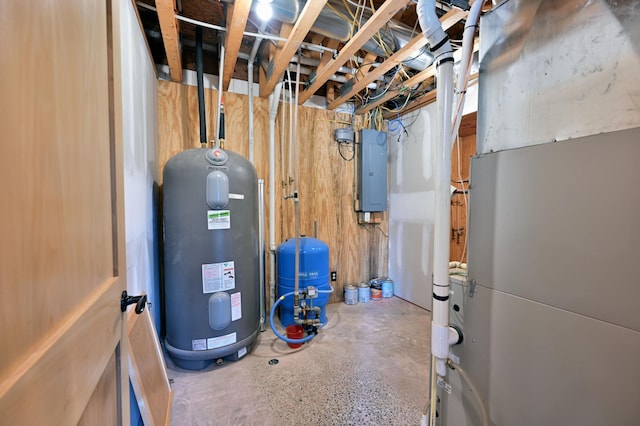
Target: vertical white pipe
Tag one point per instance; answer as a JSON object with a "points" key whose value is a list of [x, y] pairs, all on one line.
{"points": [[283, 139], [465, 63], [250, 93], [291, 136], [261, 251], [441, 48], [252, 57], [295, 184], [274, 99], [220, 72], [440, 309]]}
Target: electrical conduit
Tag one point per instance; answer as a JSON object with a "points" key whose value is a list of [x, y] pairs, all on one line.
{"points": [[274, 99]]}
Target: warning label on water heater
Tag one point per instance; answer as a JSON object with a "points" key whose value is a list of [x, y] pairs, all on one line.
{"points": [[218, 277], [218, 219]]}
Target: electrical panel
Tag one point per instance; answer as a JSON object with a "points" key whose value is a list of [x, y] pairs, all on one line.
{"points": [[372, 171]]}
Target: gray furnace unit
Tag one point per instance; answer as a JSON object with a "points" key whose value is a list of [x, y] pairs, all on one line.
{"points": [[372, 166], [211, 261]]}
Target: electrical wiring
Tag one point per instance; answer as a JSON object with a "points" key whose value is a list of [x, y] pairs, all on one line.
{"points": [[363, 6], [381, 231], [406, 102], [350, 149], [349, 20]]}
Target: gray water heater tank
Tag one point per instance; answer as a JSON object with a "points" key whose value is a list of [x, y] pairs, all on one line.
{"points": [[211, 257]]}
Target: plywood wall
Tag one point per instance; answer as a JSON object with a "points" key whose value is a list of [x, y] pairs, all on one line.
{"points": [[325, 180], [463, 149]]}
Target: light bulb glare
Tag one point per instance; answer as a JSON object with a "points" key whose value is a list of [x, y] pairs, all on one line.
{"points": [[263, 10]]}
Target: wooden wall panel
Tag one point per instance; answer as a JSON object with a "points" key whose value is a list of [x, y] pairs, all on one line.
{"points": [[326, 181], [460, 199]]}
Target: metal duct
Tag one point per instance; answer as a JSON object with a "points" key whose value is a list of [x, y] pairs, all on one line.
{"points": [[330, 24]]}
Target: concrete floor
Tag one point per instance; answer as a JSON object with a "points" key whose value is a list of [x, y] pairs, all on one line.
{"points": [[368, 366]]}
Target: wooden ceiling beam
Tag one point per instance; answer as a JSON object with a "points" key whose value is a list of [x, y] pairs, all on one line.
{"points": [[367, 64], [427, 99], [408, 50], [307, 18], [237, 15], [416, 79], [364, 34], [331, 43], [170, 29]]}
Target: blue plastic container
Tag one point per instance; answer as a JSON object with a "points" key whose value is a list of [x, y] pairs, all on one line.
{"points": [[313, 271]]}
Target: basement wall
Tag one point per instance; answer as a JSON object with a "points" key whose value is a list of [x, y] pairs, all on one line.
{"points": [[326, 181]]}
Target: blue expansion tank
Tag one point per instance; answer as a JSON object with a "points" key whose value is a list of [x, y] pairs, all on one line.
{"points": [[313, 271]]}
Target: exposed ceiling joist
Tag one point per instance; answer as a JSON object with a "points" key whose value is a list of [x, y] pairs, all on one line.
{"points": [[237, 15], [367, 64], [283, 56], [348, 89], [373, 24], [170, 37], [427, 99], [416, 79], [448, 20]]}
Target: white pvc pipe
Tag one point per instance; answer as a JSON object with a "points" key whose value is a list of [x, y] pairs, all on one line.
{"points": [[441, 48], [444, 62], [295, 192], [465, 63], [274, 99], [263, 311], [252, 57], [250, 93], [220, 72], [291, 130], [283, 139]]}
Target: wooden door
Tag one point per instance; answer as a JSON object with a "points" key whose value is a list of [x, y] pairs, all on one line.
{"points": [[62, 352]]}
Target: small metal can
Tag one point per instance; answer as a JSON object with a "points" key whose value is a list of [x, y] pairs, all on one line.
{"points": [[363, 293], [350, 294]]}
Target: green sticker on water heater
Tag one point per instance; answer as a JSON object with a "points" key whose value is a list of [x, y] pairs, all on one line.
{"points": [[218, 219]]}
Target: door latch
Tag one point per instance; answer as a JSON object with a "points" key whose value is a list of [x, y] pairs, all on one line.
{"points": [[126, 300]]}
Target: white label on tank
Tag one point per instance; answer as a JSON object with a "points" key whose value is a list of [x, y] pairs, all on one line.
{"points": [[199, 345], [218, 277], [242, 352], [218, 219], [444, 385], [218, 342], [236, 196], [236, 306]]}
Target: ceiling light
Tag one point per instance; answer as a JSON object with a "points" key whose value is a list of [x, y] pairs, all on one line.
{"points": [[263, 10]]}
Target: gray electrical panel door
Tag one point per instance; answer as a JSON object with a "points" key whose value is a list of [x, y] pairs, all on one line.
{"points": [[372, 167]]}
